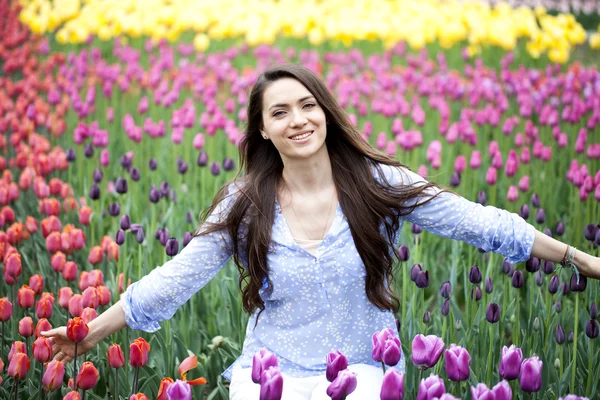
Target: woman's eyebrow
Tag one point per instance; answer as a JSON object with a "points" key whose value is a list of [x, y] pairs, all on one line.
{"points": [[285, 105]]}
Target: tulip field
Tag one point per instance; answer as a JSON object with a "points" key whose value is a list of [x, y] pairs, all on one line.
{"points": [[119, 122]]}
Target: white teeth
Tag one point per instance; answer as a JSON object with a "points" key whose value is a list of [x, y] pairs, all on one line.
{"points": [[300, 137]]}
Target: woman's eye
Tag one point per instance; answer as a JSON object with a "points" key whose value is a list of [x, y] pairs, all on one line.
{"points": [[277, 113], [310, 105]]}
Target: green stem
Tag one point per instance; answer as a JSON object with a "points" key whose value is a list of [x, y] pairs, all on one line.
{"points": [[490, 354], [574, 370], [116, 396], [75, 364], [516, 325], [588, 386], [383, 367]]}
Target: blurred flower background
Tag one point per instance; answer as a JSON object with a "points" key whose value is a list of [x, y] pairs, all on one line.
{"points": [[119, 121]]}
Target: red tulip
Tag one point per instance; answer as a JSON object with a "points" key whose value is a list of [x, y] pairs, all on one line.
{"points": [[69, 272], [77, 329], [5, 309], [53, 242], [138, 396], [95, 278], [13, 268], [25, 297], [120, 285], [95, 256], [89, 314], [64, 295], [72, 396], [19, 366], [42, 349], [76, 305], [26, 327], [87, 376], [57, 261], [115, 356], [54, 375], [103, 295], [16, 347], [90, 297], [42, 326], [83, 280], [43, 308], [138, 353], [36, 283], [162, 389]]}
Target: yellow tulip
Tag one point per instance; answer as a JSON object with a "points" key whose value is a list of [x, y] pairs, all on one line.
{"points": [[201, 42], [595, 41]]}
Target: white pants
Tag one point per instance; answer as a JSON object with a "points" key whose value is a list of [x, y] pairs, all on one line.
{"points": [[368, 378]]}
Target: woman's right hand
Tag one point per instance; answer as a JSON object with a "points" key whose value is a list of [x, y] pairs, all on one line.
{"points": [[63, 348]]}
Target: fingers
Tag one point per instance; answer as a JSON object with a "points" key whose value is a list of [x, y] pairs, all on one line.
{"points": [[60, 331]]}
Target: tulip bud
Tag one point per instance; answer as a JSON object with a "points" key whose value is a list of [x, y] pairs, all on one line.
{"points": [[560, 228], [446, 290], [228, 164], [94, 192], [570, 337], [476, 293], [139, 236], [202, 160], [524, 212], [533, 264], [446, 307], [215, 169], [336, 362], [416, 229], [540, 216], [488, 285], [536, 324], [5, 309], [42, 349], [557, 363], [422, 280], [457, 361], [592, 330], [518, 280], [558, 306], [481, 197], [115, 356], [539, 278], [414, 271], [25, 297], [535, 200], [492, 313], [594, 311], [392, 387], [172, 247], [427, 318], [578, 283], [87, 376], [70, 155], [403, 253], [559, 334], [42, 326]]}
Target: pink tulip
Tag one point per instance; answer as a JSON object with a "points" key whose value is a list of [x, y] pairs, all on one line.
{"points": [[491, 176], [513, 194], [431, 388], [426, 350], [457, 363]]}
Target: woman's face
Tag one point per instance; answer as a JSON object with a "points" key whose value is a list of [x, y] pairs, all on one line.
{"points": [[293, 120]]}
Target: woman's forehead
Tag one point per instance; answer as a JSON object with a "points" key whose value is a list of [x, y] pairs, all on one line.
{"points": [[284, 91]]}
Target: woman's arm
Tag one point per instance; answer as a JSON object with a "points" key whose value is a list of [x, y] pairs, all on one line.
{"points": [[550, 249]]}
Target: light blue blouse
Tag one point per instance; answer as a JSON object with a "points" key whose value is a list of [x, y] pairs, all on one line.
{"points": [[317, 303]]}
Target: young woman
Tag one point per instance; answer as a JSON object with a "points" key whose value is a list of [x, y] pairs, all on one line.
{"points": [[312, 221]]}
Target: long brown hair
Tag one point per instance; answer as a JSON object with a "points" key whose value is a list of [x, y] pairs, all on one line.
{"points": [[366, 202]]}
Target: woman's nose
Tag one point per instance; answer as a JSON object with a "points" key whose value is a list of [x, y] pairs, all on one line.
{"points": [[298, 119]]}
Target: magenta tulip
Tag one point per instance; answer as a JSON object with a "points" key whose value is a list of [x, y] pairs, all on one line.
{"points": [[336, 362], [510, 363], [271, 384], [343, 385], [392, 387], [431, 388], [502, 391], [262, 360], [426, 350], [531, 374], [482, 392], [457, 363]]}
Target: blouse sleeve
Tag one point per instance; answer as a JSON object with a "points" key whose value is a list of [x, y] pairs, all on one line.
{"points": [[159, 294], [454, 217]]}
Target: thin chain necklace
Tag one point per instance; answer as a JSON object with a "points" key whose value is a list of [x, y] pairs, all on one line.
{"points": [[298, 219]]}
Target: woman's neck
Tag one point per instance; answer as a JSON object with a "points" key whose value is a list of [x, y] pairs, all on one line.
{"points": [[308, 176]]}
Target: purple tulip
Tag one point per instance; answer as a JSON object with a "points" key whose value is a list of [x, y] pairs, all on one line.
{"points": [[426, 350], [414, 271], [182, 167], [392, 387], [271, 384], [570, 337], [379, 341], [476, 293], [446, 396], [524, 211], [94, 192], [172, 247], [558, 306], [88, 151], [589, 232], [152, 164], [416, 229], [215, 169], [446, 290], [228, 164], [492, 313], [336, 362], [422, 280], [535, 200], [71, 155], [578, 283], [489, 287], [179, 390], [573, 397], [510, 363], [540, 216], [548, 267], [187, 237], [114, 209], [560, 228], [482, 392], [592, 330], [457, 361], [125, 222], [518, 280], [446, 307], [262, 360], [202, 160], [553, 284], [539, 278], [343, 385], [481, 197], [403, 253], [121, 185], [139, 236], [455, 179], [120, 237], [502, 391], [135, 174], [533, 264], [431, 388], [98, 175], [559, 334], [427, 318], [506, 267], [531, 374], [154, 195], [594, 311], [548, 232], [125, 161], [188, 217]]}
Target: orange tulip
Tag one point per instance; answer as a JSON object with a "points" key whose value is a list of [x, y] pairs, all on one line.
{"points": [[77, 329], [42, 349], [54, 375], [113, 252], [87, 376], [84, 215], [95, 256], [115, 356], [53, 242], [19, 366], [72, 396], [25, 297], [57, 261], [26, 327], [5, 309], [42, 326], [36, 283], [43, 308], [120, 285], [162, 389], [138, 396], [138, 353]]}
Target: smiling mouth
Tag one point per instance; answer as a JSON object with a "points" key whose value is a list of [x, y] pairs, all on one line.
{"points": [[302, 136]]}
